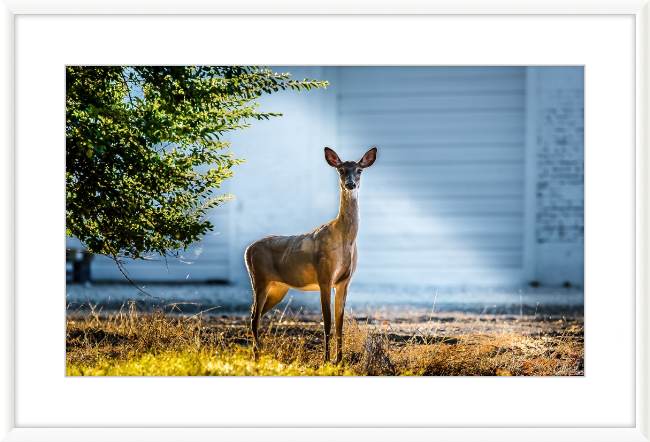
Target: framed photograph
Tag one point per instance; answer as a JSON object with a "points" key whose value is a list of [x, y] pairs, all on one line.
{"points": [[610, 402]]}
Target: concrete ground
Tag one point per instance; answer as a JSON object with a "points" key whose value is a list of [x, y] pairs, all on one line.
{"points": [[363, 299]]}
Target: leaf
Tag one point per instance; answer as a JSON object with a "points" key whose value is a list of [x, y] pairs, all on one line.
{"points": [[143, 129]]}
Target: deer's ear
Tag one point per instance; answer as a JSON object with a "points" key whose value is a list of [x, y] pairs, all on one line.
{"points": [[368, 158], [332, 158]]}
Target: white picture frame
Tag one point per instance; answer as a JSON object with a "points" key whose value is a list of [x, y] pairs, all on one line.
{"points": [[641, 429]]}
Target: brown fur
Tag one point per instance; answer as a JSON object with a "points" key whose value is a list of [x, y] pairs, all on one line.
{"points": [[319, 260]]}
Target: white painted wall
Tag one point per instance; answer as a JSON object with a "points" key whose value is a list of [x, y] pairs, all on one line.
{"points": [[469, 127], [285, 187]]}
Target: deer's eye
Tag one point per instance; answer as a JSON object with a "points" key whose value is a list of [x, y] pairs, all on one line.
{"points": [[359, 171]]}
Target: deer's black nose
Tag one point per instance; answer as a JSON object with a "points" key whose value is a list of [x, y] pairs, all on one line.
{"points": [[350, 185]]}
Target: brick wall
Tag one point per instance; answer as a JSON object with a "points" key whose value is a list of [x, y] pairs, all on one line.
{"points": [[560, 167], [560, 173]]}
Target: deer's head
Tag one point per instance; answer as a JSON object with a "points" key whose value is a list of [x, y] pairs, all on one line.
{"points": [[350, 171]]}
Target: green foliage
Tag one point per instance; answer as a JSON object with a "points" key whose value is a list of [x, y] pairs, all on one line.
{"points": [[134, 139]]}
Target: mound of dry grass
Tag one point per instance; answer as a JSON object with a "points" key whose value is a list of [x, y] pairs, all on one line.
{"points": [[292, 345]]}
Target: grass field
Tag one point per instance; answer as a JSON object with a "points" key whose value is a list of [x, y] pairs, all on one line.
{"points": [[130, 343]]}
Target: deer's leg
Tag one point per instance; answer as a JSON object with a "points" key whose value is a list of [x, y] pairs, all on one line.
{"points": [[339, 310], [325, 305], [260, 292], [276, 294]]}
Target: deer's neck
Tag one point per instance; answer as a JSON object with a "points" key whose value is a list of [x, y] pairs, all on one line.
{"points": [[348, 218]]}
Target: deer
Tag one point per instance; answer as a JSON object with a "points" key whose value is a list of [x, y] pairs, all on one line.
{"points": [[320, 260]]}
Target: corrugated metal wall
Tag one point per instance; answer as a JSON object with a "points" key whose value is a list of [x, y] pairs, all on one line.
{"points": [[444, 203]]}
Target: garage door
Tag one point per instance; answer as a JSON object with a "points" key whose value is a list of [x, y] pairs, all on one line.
{"points": [[444, 202]]}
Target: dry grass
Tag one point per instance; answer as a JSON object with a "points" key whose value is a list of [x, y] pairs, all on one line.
{"points": [[131, 343]]}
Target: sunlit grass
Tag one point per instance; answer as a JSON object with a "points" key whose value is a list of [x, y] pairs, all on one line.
{"points": [[201, 363], [129, 343]]}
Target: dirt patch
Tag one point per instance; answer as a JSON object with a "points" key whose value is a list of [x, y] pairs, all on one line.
{"points": [[402, 343]]}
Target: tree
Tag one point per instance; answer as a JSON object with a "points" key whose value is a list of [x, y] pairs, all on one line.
{"points": [[134, 138]]}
